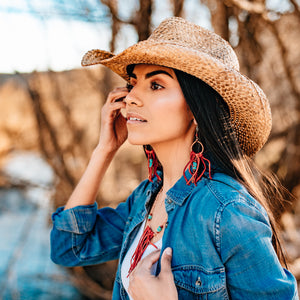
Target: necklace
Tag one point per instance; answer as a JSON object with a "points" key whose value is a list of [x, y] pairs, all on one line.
{"points": [[146, 238], [150, 216]]}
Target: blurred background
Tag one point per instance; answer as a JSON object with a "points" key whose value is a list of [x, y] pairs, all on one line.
{"points": [[50, 116]]}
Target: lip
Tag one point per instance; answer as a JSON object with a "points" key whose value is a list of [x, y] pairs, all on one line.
{"points": [[133, 118]]}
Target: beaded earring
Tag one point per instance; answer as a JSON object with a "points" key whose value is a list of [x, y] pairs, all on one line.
{"points": [[152, 163], [196, 160]]}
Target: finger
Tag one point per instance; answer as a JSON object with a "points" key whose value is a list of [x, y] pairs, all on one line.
{"points": [[143, 269], [147, 262], [120, 88], [120, 121], [117, 95], [117, 105], [115, 108], [166, 260]]}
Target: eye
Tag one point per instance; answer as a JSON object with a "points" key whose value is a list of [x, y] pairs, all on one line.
{"points": [[129, 87], [155, 86]]}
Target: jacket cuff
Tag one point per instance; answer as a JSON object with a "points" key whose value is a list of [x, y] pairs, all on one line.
{"points": [[79, 219]]}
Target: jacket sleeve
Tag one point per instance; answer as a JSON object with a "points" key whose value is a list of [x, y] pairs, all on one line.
{"points": [[252, 267], [84, 235]]}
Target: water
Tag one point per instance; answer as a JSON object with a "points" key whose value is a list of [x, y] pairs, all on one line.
{"points": [[26, 271]]}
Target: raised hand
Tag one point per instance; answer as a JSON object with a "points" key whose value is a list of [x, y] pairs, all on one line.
{"points": [[113, 132]]}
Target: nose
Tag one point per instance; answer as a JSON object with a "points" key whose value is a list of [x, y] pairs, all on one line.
{"points": [[132, 98]]}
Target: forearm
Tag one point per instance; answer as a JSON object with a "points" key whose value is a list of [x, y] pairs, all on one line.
{"points": [[87, 188], [113, 134]]}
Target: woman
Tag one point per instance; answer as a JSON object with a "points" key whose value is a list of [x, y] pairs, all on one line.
{"points": [[199, 121]]}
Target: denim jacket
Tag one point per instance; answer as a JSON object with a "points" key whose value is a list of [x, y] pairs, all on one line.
{"points": [[220, 236]]}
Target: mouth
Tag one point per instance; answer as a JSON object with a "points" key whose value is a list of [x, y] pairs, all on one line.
{"points": [[135, 119]]}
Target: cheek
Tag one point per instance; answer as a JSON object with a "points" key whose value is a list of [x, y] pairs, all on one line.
{"points": [[177, 107], [172, 114]]}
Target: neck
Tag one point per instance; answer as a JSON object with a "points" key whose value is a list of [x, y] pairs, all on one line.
{"points": [[173, 158]]}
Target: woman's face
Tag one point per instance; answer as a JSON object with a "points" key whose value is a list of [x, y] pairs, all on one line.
{"points": [[156, 109]]}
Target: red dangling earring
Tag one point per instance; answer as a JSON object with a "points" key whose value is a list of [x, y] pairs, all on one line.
{"points": [[196, 159], [152, 164]]}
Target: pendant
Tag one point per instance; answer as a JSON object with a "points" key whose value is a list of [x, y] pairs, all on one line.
{"points": [[144, 242], [159, 229]]}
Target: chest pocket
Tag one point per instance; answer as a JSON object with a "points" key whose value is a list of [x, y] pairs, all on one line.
{"points": [[194, 282]]}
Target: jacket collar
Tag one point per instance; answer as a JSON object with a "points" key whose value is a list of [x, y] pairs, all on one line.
{"points": [[177, 194], [180, 191]]}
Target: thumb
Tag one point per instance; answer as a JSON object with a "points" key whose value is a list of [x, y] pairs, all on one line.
{"points": [[147, 262], [166, 260]]}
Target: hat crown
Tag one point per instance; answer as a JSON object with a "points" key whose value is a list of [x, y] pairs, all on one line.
{"points": [[182, 33]]}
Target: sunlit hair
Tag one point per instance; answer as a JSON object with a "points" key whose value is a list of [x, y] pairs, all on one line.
{"points": [[218, 137]]}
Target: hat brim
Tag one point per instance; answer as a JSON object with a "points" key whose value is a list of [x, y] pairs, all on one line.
{"points": [[249, 108]]}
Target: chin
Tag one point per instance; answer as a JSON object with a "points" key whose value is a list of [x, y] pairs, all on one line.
{"points": [[137, 140]]}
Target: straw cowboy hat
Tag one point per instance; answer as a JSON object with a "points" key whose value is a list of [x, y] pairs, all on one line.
{"points": [[179, 44]]}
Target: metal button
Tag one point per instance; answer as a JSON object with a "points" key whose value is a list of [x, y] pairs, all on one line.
{"points": [[169, 201], [198, 282]]}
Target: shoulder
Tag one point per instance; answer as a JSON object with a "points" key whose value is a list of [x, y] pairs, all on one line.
{"points": [[235, 215], [222, 196], [239, 216], [229, 193], [226, 189]]}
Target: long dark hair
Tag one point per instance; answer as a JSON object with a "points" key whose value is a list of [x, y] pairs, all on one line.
{"points": [[218, 137]]}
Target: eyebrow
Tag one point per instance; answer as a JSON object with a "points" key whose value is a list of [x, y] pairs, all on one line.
{"points": [[153, 73]]}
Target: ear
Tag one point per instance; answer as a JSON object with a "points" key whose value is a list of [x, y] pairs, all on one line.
{"points": [[195, 122]]}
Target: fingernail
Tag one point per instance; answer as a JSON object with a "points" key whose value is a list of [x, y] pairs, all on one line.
{"points": [[168, 251]]}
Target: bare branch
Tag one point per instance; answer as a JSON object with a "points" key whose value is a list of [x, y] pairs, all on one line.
{"points": [[143, 19], [219, 19], [46, 132], [296, 7], [113, 7], [260, 9], [286, 65], [251, 7], [177, 7]]}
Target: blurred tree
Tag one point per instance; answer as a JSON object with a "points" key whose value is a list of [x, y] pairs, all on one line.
{"points": [[266, 41], [140, 19]]}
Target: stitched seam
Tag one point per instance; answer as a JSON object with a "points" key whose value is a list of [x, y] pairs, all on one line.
{"points": [[74, 220], [217, 222], [217, 229]]}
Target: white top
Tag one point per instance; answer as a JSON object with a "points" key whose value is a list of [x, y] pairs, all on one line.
{"points": [[126, 262]]}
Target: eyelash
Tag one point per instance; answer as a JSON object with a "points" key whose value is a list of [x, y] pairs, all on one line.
{"points": [[154, 86]]}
